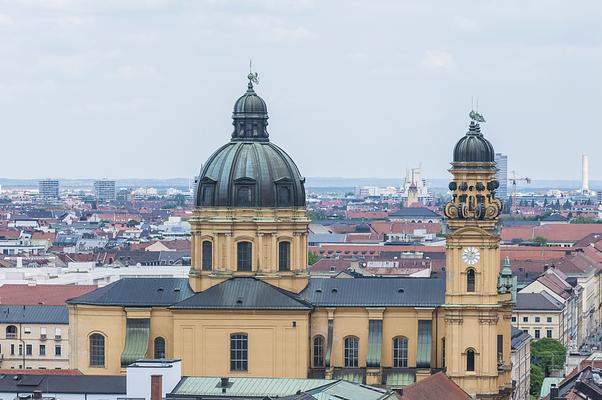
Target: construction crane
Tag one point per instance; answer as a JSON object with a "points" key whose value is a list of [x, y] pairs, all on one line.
{"points": [[513, 179]]}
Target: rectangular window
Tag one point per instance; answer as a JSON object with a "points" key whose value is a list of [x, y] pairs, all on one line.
{"points": [[239, 352], [206, 255], [27, 330], [525, 319], [537, 334], [28, 349], [423, 357], [244, 256], [318, 352], [42, 349], [12, 349], [57, 350], [549, 333], [537, 319], [57, 333], [443, 352], [351, 352], [526, 331], [284, 251], [548, 319], [500, 349], [400, 352], [43, 333], [20, 349], [513, 319]]}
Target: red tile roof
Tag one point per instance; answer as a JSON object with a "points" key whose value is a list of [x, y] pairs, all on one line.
{"points": [[437, 386], [51, 295], [7, 371], [552, 232]]}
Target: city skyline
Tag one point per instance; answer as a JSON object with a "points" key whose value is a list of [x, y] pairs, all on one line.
{"points": [[146, 86]]}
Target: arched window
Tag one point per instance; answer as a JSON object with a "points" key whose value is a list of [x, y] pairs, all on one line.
{"points": [[97, 350], [400, 352], [284, 256], [244, 253], [11, 332], [470, 360], [207, 255], [470, 280], [239, 352], [159, 347], [318, 354], [351, 351]]}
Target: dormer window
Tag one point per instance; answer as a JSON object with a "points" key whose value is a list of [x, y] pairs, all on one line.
{"points": [[284, 192], [207, 192], [244, 192]]}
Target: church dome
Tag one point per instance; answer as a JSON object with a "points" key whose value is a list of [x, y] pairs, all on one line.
{"points": [[250, 171], [473, 147]]}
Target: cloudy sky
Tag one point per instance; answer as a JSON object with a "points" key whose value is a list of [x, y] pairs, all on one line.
{"points": [[144, 88]]}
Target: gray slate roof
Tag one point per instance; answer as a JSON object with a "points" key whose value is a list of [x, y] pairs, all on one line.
{"points": [[415, 212], [139, 292], [537, 301], [244, 293], [33, 314], [375, 292], [252, 293], [63, 384], [518, 338]]}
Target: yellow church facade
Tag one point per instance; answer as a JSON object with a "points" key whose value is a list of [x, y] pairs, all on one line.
{"points": [[250, 308]]}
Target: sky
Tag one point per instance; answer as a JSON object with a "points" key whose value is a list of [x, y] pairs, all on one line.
{"points": [[145, 88]]}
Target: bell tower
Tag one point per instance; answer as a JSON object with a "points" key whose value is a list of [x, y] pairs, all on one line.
{"points": [[478, 306]]}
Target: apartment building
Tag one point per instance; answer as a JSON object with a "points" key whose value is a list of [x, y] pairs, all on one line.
{"points": [[539, 315], [34, 337]]}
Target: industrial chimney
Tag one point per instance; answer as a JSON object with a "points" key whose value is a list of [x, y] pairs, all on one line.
{"points": [[584, 174]]}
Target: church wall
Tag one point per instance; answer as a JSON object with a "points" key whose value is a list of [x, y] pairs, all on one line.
{"points": [[106, 320], [278, 342], [110, 322], [265, 228], [397, 321]]}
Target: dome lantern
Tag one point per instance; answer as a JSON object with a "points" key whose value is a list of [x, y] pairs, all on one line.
{"points": [[250, 115]]}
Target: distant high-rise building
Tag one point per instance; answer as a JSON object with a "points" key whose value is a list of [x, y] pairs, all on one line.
{"points": [[49, 188], [502, 174], [104, 190], [584, 174]]}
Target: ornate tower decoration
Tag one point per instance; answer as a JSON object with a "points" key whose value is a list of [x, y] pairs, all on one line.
{"points": [[250, 217], [478, 297]]}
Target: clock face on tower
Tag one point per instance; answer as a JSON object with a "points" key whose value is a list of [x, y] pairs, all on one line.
{"points": [[471, 255]]}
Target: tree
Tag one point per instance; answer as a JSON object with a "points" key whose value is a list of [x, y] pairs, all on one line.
{"points": [[312, 258], [316, 215], [536, 380], [542, 241], [132, 223], [584, 220], [548, 354]]}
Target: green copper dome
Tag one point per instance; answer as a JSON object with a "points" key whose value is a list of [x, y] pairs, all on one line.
{"points": [[250, 171]]}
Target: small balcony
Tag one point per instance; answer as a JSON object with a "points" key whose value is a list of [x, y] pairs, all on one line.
{"points": [[58, 338], [43, 336], [11, 335]]}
